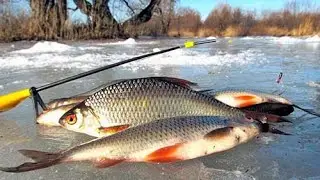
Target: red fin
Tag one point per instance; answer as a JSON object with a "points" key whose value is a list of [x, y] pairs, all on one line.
{"points": [[244, 97], [166, 154], [247, 103], [246, 100], [105, 162], [113, 129], [178, 81]]}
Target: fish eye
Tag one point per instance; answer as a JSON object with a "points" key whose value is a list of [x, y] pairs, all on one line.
{"points": [[71, 119]]}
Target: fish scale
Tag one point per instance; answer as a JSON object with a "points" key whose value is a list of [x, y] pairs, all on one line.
{"points": [[157, 134], [137, 101]]}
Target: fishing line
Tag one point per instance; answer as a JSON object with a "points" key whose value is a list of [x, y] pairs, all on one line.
{"points": [[306, 110]]}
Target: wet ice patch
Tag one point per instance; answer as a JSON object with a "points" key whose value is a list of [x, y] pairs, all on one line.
{"points": [[266, 139], [45, 46]]}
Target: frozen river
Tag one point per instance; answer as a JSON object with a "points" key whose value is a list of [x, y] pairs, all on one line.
{"points": [[230, 63]]}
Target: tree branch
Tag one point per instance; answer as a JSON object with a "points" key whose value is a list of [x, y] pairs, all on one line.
{"points": [[73, 9], [144, 16], [127, 4], [84, 6]]}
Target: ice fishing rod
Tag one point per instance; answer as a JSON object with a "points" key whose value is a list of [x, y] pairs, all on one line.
{"points": [[11, 100]]}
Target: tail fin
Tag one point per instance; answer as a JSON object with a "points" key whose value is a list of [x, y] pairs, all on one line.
{"points": [[265, 117], [265, 127], [307, 110], [43, 160]]}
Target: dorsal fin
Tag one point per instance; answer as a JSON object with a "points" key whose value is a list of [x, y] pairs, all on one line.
{"points": [[178, 81]]}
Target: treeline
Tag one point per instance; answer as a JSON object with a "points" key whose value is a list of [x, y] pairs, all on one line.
{"points": [[154, 18], [227, 21]]}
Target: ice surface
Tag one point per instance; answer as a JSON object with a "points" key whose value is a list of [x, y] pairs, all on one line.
{"points": [[88, 61], [242, 64], [45, 46], [288, 40]]}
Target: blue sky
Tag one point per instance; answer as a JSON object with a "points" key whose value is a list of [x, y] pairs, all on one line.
{"points": [[206, 6]]}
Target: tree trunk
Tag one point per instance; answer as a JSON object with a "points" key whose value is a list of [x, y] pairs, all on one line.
{"points": [[61, 16], [48, 18], [103, 22]]}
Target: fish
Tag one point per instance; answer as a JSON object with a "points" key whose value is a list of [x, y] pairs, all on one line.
{"points": [[243, 99], [56, 107], [81, 97], [136, 101], [160, 141], [51, 117]]}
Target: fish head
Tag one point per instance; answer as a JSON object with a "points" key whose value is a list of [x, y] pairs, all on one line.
{"points": [[51, 117], [65, 101], [82, 119]]}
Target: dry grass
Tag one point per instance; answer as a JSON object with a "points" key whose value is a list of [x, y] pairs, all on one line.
{"points": [[181, 33], [222, 21]]}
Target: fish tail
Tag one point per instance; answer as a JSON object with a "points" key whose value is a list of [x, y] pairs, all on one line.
{"points": [[265, 127], [265, 117], [42, 160]]}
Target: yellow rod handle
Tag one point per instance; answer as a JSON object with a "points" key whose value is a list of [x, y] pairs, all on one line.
{"points": [[9, 101]]}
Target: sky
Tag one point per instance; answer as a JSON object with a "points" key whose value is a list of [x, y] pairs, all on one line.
{"points": [[206, 6]]}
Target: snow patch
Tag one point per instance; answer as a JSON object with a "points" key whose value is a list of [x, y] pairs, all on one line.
{"points": [[315, 38], [181, 57], [249, 38], [45, 46], [314, 84], [156, 50], [287, 40], [211, 38]]}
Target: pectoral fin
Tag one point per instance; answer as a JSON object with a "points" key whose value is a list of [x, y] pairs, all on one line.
{"points": [[105, 162], [107, 131], [165, 154]]}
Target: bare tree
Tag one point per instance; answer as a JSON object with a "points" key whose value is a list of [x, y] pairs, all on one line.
{"points": [[104, 21], [48, 17]]}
